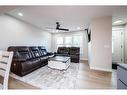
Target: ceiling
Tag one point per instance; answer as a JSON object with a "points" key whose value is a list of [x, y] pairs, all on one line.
{"points": [[69, 16]]}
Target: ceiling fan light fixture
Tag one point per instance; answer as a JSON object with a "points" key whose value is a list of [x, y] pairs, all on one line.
{"points": [[20, 14], [57, 30], [78, 28]]}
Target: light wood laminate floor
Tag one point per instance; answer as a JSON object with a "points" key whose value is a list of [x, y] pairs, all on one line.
{"points": [[86, 79]]}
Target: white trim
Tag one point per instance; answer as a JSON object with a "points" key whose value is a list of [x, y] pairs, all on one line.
{"points": [[122, 39], [100, 69], [84, 59]]}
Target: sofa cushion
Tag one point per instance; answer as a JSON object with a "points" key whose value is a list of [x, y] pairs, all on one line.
{"points": [[20, 52], [42, 51], [35, 52], [74, 50], [23, 53], [63, 50]]}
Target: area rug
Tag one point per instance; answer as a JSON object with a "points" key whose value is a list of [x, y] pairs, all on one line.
{"points": [[47, 78]]}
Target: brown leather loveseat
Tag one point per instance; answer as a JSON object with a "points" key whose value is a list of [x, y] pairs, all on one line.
{"points": [[72, 52]]}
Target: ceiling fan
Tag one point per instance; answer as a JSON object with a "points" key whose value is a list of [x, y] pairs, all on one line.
{"points": [[58, 27]]}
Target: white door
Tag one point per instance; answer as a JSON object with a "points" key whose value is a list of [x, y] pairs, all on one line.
{"points": [[117, 45]]}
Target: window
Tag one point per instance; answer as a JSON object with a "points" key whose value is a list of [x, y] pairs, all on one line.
{"points": [[112, 46], [77, 40], [71, 40], [59, 41], [68, 40]]}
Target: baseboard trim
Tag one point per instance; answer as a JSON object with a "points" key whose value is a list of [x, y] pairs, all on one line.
{"points": [[84, 59], [100, 69]]}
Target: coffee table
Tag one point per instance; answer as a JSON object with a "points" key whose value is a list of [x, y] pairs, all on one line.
{"points": [[59, 62]]}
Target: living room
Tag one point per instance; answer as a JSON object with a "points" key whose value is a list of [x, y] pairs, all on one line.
{"points": [[60, 47]]}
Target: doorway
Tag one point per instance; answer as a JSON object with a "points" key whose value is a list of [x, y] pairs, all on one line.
{"points": [[118, 46]]}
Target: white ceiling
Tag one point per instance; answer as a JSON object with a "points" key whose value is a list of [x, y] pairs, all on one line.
{"points": [[69, 16]]}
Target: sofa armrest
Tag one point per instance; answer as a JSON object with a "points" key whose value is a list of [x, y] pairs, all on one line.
{"points": [[50, 53], [20, 60]]}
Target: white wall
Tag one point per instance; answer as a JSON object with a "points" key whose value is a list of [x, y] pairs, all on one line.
{"points": [[101, 43], [85, 47], [125, 44], [14, 32]]}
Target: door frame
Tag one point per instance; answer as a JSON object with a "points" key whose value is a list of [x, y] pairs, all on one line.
{"points": [[122, 40]]}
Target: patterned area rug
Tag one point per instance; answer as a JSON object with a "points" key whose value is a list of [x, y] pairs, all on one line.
{"points": [[47, 78]]}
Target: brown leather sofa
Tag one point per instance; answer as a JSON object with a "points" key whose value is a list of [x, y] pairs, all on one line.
{"points": [[27, 59], [72, 52]]}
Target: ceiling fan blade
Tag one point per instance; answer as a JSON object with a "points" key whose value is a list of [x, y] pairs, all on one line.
{"points": [[76, 30], [63, 29], [58, 27]]}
